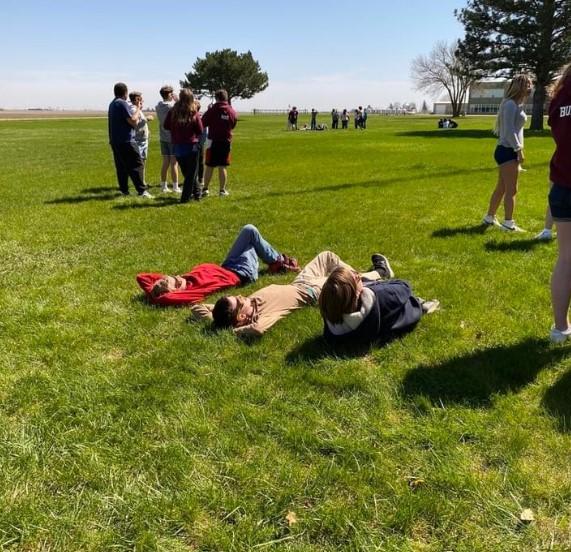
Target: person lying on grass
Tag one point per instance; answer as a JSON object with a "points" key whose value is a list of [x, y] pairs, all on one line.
{"points": [[356, 311], [240, 267], [252, 316]]}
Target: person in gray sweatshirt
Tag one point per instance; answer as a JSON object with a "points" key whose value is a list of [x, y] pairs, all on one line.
{"points": [[167, 152]]}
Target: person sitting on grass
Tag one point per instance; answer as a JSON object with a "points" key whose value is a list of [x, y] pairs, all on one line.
{"points": [[252, 316], [239, 267], [357, 312]]}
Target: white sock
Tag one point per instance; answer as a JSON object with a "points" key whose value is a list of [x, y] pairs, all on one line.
{"points": [[509, 223]]}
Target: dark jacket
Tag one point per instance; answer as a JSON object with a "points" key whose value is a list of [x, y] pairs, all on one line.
{"points": [[395, 311]]}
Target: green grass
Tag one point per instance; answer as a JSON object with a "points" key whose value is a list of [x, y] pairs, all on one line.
{"points": [[128, 427]]}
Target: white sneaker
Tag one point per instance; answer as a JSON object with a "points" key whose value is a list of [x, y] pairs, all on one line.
{"points": [[513, 228], [488, 220], [176, 189], [559, 336], [224, 193], [205, 192], [165, 189], [146, 195], [545, 235], [428, 307]]}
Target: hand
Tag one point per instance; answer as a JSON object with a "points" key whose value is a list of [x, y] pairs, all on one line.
{"points": [[520, 156]]}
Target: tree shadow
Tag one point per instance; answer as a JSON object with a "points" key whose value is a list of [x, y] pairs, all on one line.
{"points": [[473, 379], [557, 402], [449, 133], [516, 245], [448, 232]]}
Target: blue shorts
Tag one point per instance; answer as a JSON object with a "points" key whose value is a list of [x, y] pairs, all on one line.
{"points": [[560, 203], [504, 155]]}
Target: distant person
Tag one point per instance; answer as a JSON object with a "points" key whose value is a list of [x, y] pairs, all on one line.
{"points": [[292, 118], [440, 123], [220, 119], [560, 203], [452, 123], [241, 266], [122, 123], [167, 152], [201, 153], [364, 118], [334, 118], [344, 119], [358, 312], [186, 130], [254, 315], [509, 152], [313, 119], [142, 129], [357, 118]]}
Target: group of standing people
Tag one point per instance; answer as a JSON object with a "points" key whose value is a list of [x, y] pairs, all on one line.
{"points": [[509, 156], [197, 144], [360, 119]]}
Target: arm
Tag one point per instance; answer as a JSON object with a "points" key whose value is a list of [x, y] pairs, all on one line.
{"points": [[202, 312], [510, 113], [133, 118]]}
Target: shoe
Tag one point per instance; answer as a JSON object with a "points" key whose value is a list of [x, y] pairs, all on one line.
{"points": [[428, 307], [284, 264], [490, 221], [559, 336], [146, 195], [165, 189], [176, 189], [224, 193], [545, 235], [205, 192], [514, 228], [382, 266]]}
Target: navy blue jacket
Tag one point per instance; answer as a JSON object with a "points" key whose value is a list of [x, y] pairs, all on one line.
{"points": [[395, 310]]}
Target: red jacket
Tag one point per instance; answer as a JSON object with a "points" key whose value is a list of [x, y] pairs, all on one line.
{"points": [[220, 119], [188, 133], [560, 123], [201, 281]]}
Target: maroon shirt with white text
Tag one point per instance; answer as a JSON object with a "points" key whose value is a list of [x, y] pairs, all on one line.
{"points": [[560, 123], [220, 119]]}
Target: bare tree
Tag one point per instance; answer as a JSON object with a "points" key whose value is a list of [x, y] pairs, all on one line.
{"points": [[444, 69]]}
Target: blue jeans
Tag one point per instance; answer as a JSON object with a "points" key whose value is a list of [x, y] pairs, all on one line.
{"points": [[243, 255]]}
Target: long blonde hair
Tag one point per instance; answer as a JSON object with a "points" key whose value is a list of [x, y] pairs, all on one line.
{"points": [[516, 91], [564, 79]]}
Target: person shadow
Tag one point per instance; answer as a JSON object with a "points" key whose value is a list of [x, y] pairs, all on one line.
{"points": [[474, 379], [449, 232], [557, 402], [513, 245]]}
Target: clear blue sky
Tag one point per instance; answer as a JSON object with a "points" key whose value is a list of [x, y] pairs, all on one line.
{"points": [[68, 53]]}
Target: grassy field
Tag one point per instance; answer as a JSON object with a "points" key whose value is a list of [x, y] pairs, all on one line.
{"points": [[125, 427]]}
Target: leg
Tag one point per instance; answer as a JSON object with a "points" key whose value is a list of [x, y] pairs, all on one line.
{"points": [[509, 172], [121, 170], [207, 176], [165, 168], [222, 177], [135, 167], [319, 268], [174, 171], [188, 167], [561, 277], [497, 196]]}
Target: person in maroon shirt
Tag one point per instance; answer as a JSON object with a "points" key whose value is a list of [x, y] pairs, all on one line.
{"points": [[220, 119], [560, 203], [186, 128]]}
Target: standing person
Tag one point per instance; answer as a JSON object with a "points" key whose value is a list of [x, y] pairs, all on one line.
{"points": [[186, 129], [201, 143], [122, 123], [509, 152], [169, 158], [357, 121], [560, 203], [364, 118], [220, 119], [334, 118], [292, 118], [313, 124], [142, 128], [345, 119]]}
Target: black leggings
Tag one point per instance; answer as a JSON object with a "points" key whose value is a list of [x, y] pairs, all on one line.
{"points": [[189, 167]]}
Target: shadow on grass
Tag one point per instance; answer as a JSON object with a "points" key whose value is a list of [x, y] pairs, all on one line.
{"points": [[99, 190], [449, 133], [557, 402], [473, 379], [82, 199], [317, 348], [147, 203], [469, 230], [516, 245]]}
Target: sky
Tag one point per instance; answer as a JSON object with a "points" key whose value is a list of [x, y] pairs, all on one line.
{"points": [[67, 54]]}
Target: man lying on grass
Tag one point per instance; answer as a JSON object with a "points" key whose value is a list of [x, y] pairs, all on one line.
{"points": [[253, 315], [240, 267], [354, 311]]}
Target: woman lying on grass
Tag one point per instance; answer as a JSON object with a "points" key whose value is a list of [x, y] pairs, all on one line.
{"points": [[357, 312]]}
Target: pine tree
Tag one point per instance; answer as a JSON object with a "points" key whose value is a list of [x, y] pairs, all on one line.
{"points": [[504, 37]]}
